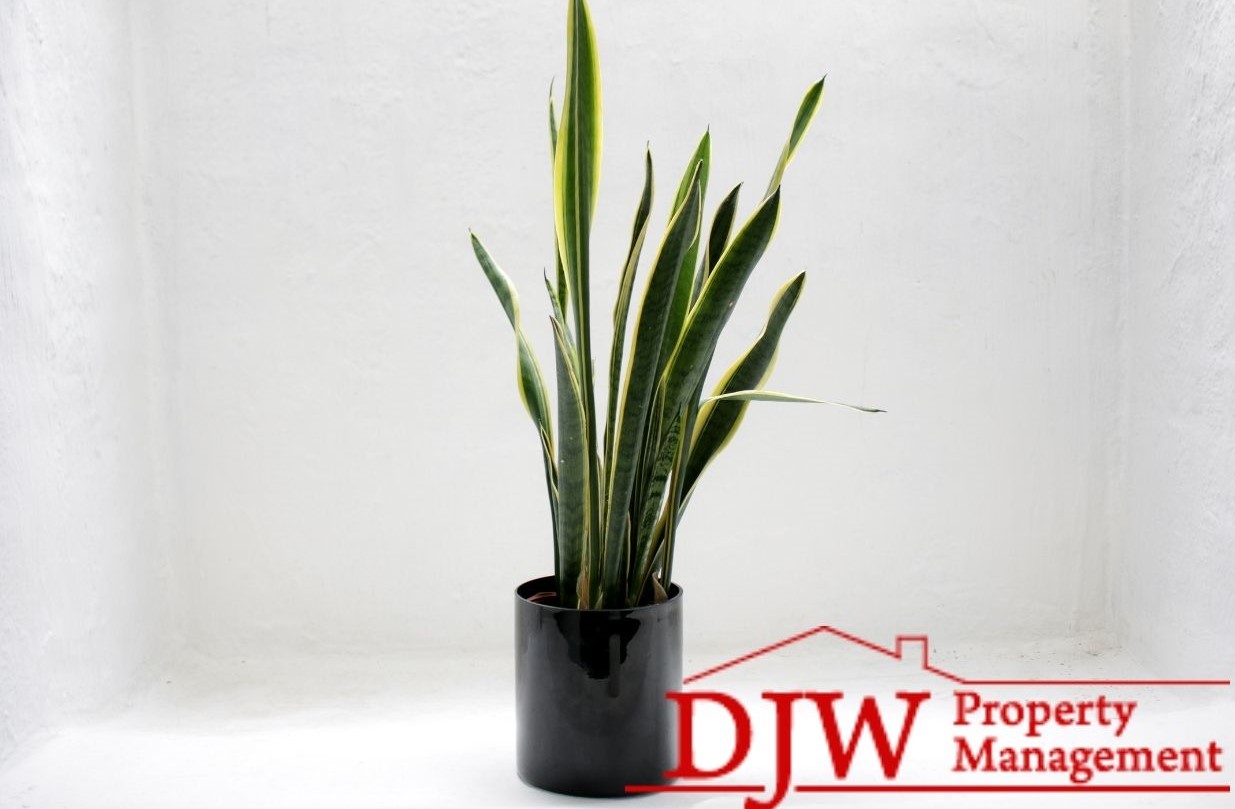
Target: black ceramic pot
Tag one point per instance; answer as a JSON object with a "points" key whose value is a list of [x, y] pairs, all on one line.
{"points": [[590, 693]]}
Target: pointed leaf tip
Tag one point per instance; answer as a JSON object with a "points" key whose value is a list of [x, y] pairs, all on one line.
{"points": [[776, 396]]}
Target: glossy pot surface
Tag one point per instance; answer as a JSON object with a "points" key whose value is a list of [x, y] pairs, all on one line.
{"points": [[590, 693]]}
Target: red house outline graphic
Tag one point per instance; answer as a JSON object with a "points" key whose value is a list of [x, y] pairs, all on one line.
{"points": [[901, 650]]}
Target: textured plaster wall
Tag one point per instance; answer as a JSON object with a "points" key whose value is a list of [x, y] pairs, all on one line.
{"points": [[1177, 560], [82, 566], [356, 468]]}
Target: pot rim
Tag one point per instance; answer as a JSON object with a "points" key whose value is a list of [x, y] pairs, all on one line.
{"points": [[675, 596]]}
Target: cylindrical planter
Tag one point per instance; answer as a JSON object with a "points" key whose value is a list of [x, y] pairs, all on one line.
{"points": [[590, 693]]}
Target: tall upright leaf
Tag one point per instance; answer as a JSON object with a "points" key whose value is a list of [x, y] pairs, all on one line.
{"points": [[638, 389], [552, 126], [621, 307], [576, 174], [700, 162], [660, 544], [652, 497], [716, 301], [574, 493], [673, 508], [801, 123], [556, 312], [684, 375], [718, 236], [561, 290], [576, 158]]}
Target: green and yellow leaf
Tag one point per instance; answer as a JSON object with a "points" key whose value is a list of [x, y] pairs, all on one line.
{"points": [[531, 382], [716, 301], [573, 511], [639, 387], [776, 396], [801, 123], [700, 163], [718, 236], [621, 307]]}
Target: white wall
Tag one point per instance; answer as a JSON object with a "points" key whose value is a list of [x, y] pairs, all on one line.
{"points": [[82, 563], [1177, 562], [357, 470]]}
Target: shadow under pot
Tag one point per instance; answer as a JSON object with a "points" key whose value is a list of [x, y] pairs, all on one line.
{"points": [[590, 691]]}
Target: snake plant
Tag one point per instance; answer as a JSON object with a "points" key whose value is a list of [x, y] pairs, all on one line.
{"points": [[618, 482]]}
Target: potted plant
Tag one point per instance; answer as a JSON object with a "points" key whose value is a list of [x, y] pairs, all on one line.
{"points": [[599, 643]]}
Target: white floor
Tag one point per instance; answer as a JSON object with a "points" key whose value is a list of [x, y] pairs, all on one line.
{"points": [[438, 731]]}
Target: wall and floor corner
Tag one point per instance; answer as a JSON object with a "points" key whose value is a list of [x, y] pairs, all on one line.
{"points": [[233, 245], [85, 602], [1176, 555]]}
